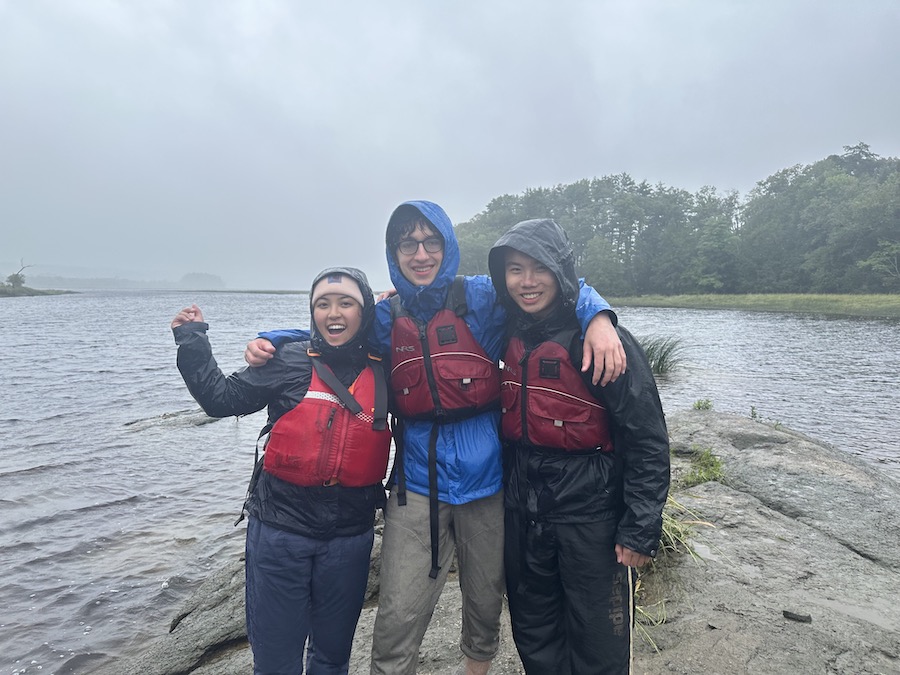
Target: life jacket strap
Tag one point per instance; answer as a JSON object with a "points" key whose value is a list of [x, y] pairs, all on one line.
{"points": [[258, 459], [433, 506], [381, 393], [330, 379], [456, 299], [398, 476]]}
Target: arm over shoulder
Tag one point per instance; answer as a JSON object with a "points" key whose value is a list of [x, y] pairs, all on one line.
{"points": [[641, 437]]}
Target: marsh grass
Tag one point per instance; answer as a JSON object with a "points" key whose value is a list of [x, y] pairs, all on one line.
{"points": [[663, 353], [875, 305], [647, 614], [678, 526]]}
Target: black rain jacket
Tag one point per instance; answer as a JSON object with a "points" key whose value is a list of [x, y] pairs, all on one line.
{"points": [[631, 483], [319, 512]]}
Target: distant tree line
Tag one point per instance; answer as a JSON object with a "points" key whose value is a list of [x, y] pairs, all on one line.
{"points": [[830, 227]]}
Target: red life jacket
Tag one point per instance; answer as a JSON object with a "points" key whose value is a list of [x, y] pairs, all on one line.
{"points": [[438, 369], [544, 400], [321, 442]]}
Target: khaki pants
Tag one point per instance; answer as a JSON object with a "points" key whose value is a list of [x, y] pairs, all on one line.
{"points": [[408, 595]]}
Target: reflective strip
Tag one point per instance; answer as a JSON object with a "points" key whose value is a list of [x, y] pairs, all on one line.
{"points": [[331, 398], [324, 396]]}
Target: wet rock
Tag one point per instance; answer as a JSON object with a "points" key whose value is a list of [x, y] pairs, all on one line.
{"points": [[800, 525], [800, 529]]}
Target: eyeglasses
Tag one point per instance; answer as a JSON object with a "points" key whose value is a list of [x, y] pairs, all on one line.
{"points": [[411, 246]]}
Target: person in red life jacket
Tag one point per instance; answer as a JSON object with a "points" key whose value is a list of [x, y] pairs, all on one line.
{"points": [[586, 468], [314, 494]]}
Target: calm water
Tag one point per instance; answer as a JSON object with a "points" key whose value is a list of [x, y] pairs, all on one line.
{"points": [[117, 497]]}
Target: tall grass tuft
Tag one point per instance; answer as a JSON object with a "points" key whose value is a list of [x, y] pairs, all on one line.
{"points": [[677, 528], [664, 353]]}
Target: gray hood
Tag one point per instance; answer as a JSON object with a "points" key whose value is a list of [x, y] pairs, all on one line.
{"points": [[360, 340], [546, 242]]}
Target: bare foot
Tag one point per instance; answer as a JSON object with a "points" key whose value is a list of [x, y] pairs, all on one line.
{"points": [[474, 667]]}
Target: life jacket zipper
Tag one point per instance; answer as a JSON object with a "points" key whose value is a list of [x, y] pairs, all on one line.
{"points": [[325, 455]]}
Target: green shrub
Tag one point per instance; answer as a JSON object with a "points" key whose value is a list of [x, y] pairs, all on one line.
{"points": [[705, 467]]}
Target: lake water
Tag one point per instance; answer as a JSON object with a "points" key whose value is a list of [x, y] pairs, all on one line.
{"points": [[117, 496]]}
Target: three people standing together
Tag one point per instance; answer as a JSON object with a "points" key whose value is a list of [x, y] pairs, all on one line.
{"points": [[445, 336]]}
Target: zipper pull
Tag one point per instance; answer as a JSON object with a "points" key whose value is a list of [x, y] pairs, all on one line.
{"points": [[525, 356], [331, 418]]}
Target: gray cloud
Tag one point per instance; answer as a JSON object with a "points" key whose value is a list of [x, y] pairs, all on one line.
{"points": [[263, 141]]}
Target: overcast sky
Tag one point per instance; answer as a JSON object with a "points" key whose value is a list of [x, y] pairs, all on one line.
{"points": [[263, 140]]}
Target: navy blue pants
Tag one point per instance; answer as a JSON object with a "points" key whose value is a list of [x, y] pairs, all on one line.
{"points": [[299, 588]]}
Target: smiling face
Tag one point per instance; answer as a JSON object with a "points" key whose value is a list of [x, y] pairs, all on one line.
{"points": [[421, 267], [337, 318], [530, 284]]}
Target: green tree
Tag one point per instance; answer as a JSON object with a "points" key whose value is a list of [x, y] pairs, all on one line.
{"points": [[825, 227], [603, 269], [771, 243], [17, 279], [714, 243], [663, 248], [885, 262], [477, 236]]}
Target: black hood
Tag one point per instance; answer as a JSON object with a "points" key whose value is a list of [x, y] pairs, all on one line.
{"points": [[360, 341], [548, 243]]}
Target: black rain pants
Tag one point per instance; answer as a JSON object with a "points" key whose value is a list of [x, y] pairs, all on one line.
{"points": [[571, 603]]}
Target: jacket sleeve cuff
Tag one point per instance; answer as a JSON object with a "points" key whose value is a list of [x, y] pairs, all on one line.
{"points": [[183, 332]]}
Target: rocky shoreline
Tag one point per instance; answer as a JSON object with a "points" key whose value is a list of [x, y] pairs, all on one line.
{"points": [[797, 570]]}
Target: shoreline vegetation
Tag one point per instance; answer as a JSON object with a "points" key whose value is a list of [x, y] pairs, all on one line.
{"points": [[882, 305], [24, 291]]}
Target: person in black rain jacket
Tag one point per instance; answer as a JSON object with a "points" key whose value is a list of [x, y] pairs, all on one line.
{"points": [[586, 468], [312, 501]]}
